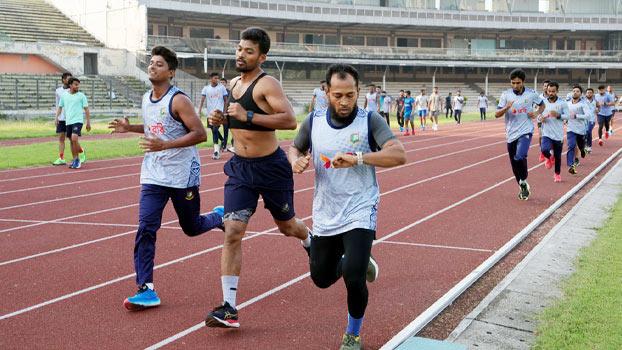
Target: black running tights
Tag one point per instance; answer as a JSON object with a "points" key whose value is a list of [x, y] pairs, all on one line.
{"points": [[328, 266]]}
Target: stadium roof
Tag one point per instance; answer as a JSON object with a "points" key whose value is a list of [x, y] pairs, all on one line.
{"points": [[428, 63]]}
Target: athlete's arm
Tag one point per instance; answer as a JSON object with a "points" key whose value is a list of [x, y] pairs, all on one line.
{"points": [[201, 104], [182, 108], [282, 118], [312, 103], [298, 154], [392, 154], [123, 125], [87, 114], [58, 112]]}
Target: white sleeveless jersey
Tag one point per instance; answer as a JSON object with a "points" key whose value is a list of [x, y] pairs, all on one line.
{"points": [[344, 199], [372, 102], [175, 167]]}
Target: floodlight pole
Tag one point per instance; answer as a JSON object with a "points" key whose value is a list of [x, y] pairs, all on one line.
{"points": [[589, 79], [434, 78], [280, 68], [224, 67], [535, 80], [205, 61], [486, 83], [384, 78]]}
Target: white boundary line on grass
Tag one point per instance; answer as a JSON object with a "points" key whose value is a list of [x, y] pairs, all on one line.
{"points": [[431, 312]]}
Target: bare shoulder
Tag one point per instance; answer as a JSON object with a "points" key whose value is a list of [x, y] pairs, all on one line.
{"points": [[233, 81], [269, 84]]}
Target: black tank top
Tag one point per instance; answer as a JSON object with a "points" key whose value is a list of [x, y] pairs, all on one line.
{"points": [[246, 101]]}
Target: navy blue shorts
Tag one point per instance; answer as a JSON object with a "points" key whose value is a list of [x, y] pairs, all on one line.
{"points": [[74, 129], [60, 127], [270, 176]]}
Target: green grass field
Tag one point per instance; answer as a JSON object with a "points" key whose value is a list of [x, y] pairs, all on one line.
{"points": [[43, 153], [590, 314]]}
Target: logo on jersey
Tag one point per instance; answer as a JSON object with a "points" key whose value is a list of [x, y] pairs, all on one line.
{"points": [[157, 129], [326, 160], [355, 137], [162, 112]]}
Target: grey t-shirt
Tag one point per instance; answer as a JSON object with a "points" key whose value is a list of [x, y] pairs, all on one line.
{"points": [[379, 129]]}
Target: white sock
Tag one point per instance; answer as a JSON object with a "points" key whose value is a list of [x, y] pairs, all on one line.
{"points": [[149, 285], [229, 289], [307, 242], [217, 147]]}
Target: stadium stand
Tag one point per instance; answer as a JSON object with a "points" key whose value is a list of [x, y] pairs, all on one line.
{"points": [[26, 91], [36, 20]]}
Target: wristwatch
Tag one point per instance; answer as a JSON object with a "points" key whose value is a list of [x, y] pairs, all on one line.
{"points": [[249, 118], [359, 158]]}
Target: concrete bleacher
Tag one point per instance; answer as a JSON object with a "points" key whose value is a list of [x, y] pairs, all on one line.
{"points": [[37, 92], [36, 20]]}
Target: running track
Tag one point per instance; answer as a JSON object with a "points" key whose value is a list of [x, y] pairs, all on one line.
{"points": [[66, 243]]}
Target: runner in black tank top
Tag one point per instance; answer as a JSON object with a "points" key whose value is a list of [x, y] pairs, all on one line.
{"points": [[258, 106]]}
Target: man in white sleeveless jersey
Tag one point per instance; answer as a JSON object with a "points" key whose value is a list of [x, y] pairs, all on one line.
{"points": [[347, 143], [171, 169]]}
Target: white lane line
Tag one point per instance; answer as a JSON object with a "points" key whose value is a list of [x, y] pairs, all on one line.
{"points": [[138, 173], [303, 276], [438, 246], [251, 301], [440, 304], [297, 191], [308, 171], [81, 223]]}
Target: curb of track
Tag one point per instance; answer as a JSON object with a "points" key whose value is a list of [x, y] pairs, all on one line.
{"points": [[448, 298]]}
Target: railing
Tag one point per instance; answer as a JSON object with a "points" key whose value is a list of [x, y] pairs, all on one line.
{"points": [[39, 94], [399, 10], [215, 46]]}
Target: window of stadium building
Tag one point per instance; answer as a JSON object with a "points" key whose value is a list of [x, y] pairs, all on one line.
{"points": [[356, 40], [314, 39], [377, 41], [202, 33], [524, 44], [407, 42], [292, 38], [175, 31], [431, 43]]}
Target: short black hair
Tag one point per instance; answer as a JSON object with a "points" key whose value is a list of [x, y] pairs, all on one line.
{"points": [[258, 36], [65, 75], [370, 85], [554, 84], [546, 82], [401, 90], [223, 79], [408, 92], [322, 81], [601, 87], [342, 70], [589, 89], [518, 73], [72, 80], [169, 56], [577, 86], [213, 74]]}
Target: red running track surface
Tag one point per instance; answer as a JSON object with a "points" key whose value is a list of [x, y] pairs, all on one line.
{"points": [[66, 243]]}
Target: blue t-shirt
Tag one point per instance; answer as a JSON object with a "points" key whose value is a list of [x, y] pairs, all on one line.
{"points": [[603, 99], [517, 122], [408, 105]]}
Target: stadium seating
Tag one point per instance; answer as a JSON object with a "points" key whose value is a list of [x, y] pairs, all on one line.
{"points": [[36, 20], [28, 87]]}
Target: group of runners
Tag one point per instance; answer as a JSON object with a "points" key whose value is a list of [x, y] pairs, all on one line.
{"points": [[407, 108], [343, 142], [348, 142], [577, 113]]}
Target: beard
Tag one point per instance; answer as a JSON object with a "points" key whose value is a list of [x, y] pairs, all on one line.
{"points": [[245, 68], [334, 112]]}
